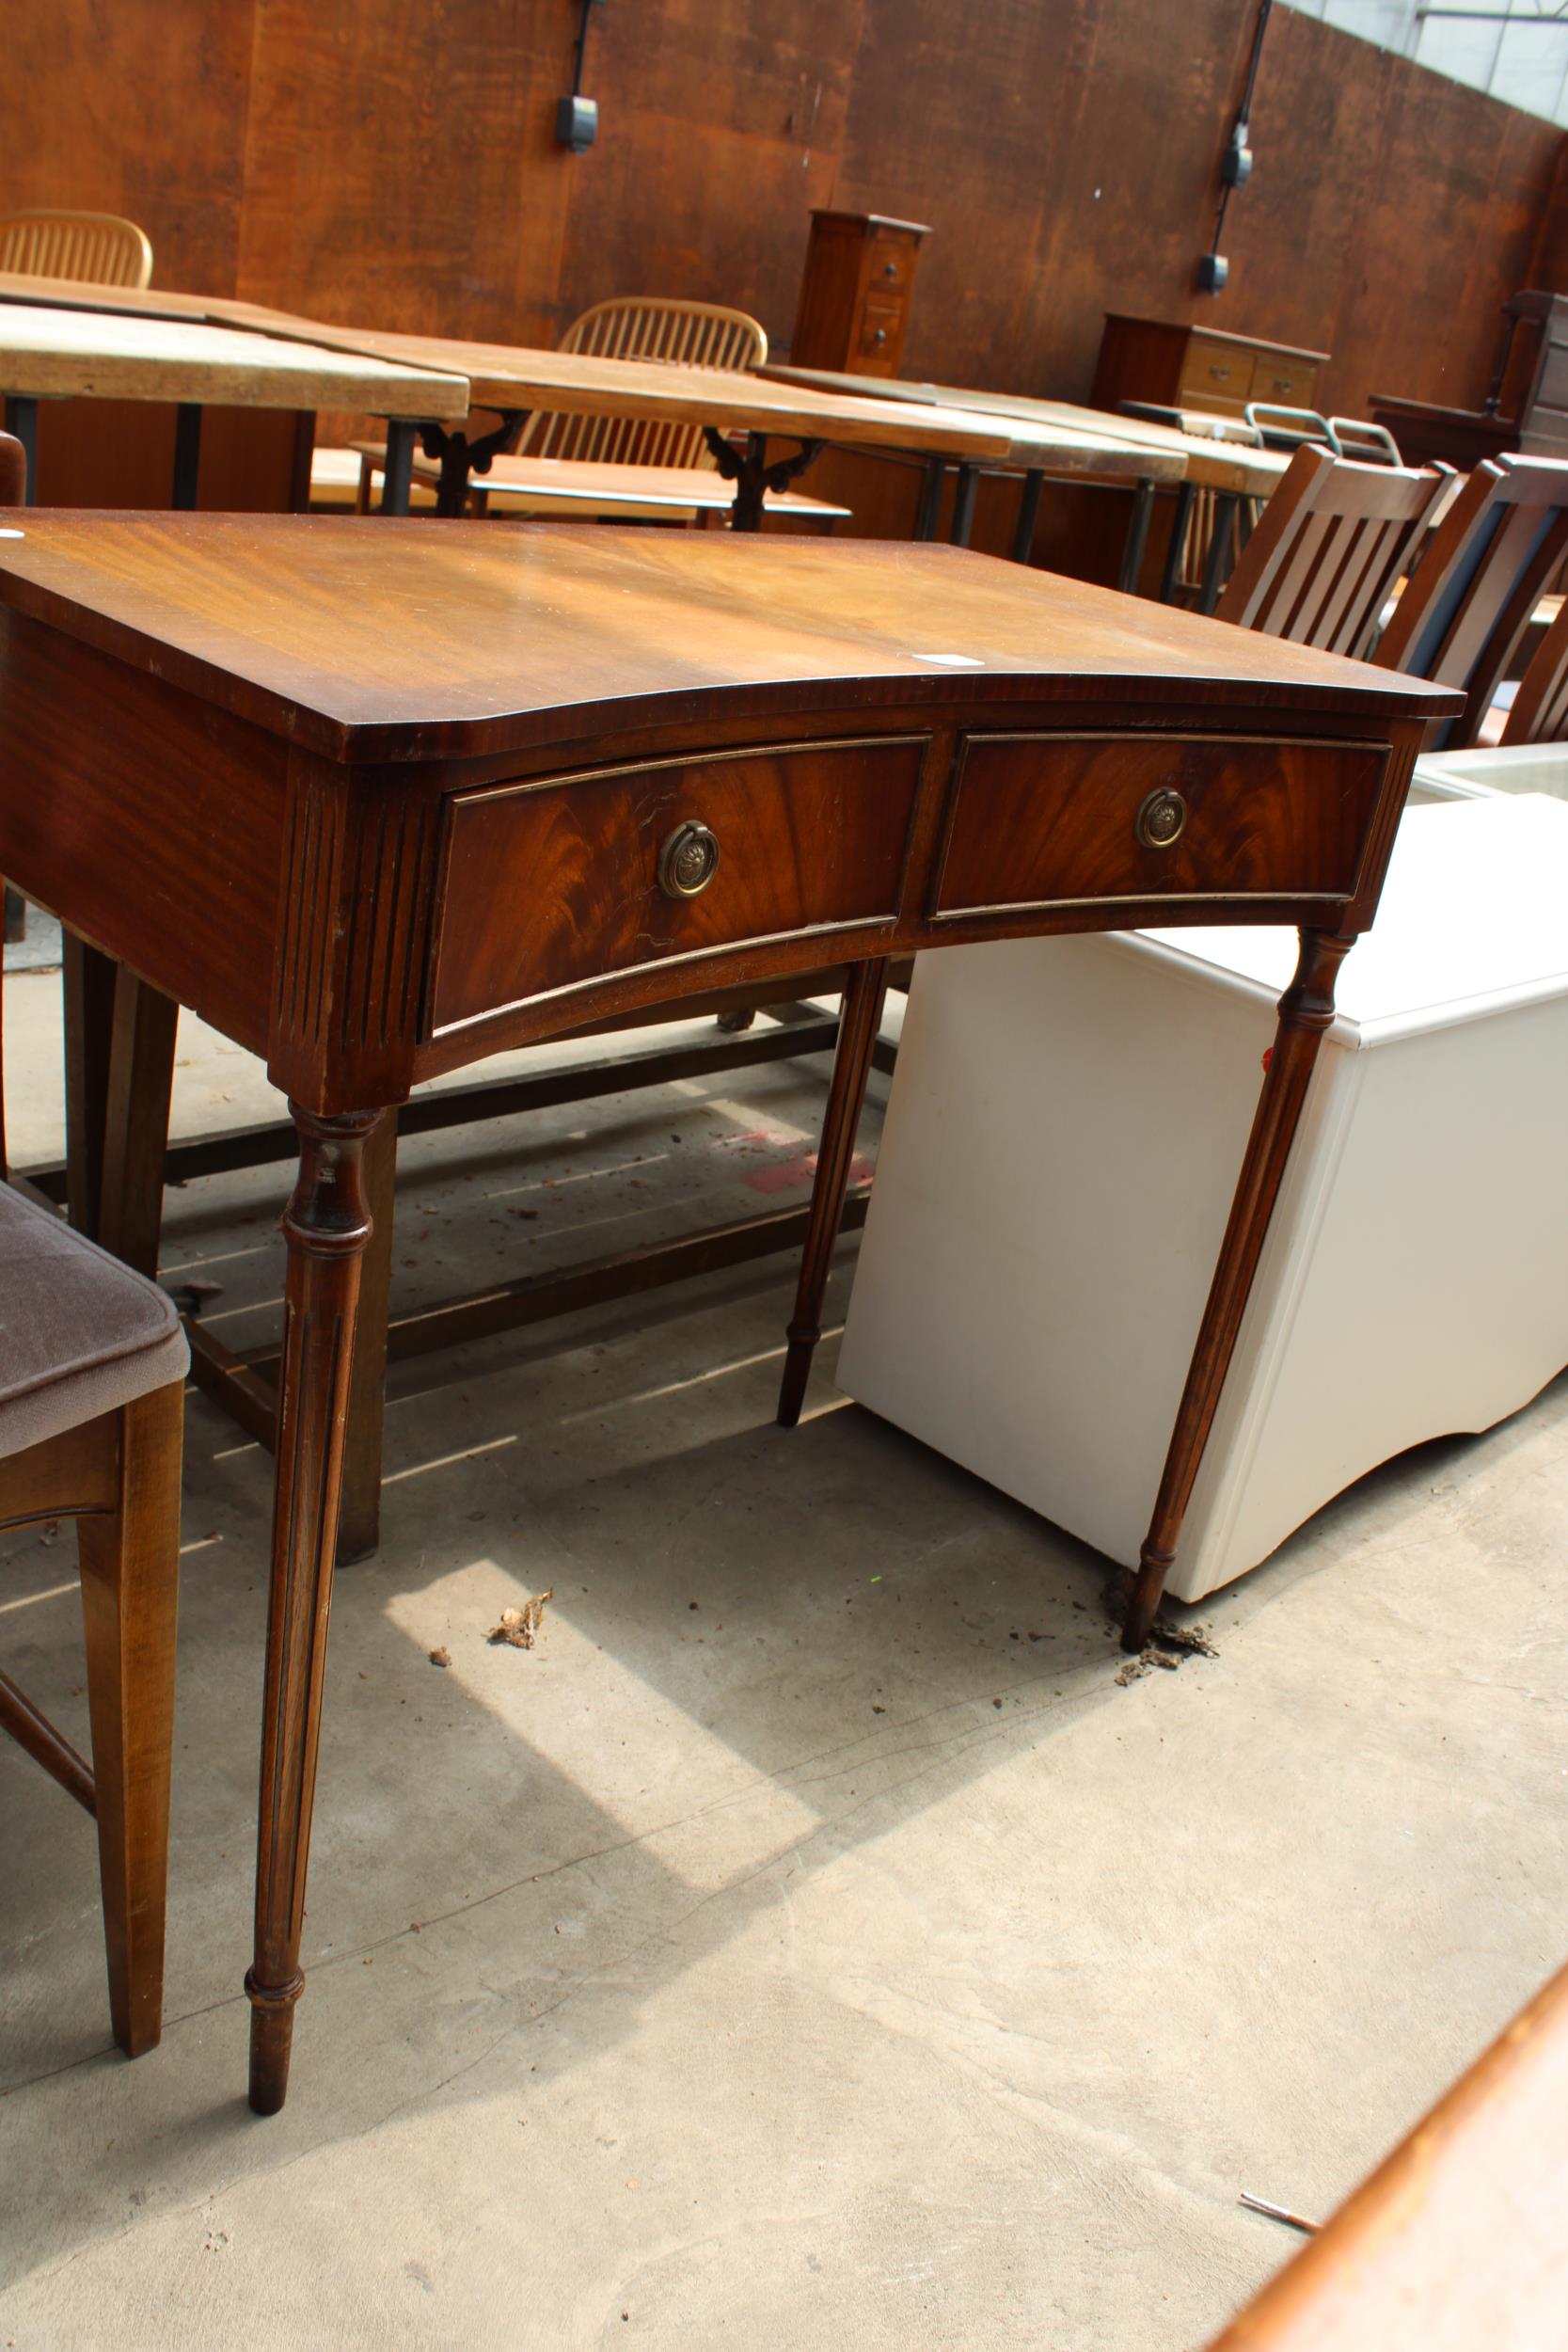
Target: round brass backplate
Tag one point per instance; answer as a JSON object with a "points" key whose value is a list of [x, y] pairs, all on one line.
{"points": [[688, 861], [1161, 819]]}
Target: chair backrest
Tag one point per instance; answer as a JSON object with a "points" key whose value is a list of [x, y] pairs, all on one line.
{"points": [[13, 471], [673, 333], [1468, 601], [1540, 712], [94, 248], [1330, 544]]}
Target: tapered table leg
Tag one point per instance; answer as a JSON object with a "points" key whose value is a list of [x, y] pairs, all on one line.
{"points": [[857, 1039], [359, 1513], [1306, 1011], [326, 1226]]}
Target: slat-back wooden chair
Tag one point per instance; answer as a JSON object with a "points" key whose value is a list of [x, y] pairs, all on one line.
{"points": [[1469, 600], [95, 248], [680, 334], [1329, 546], [1540, 712]]}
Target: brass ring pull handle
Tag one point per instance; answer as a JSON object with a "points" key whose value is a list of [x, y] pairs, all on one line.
{"points": [[1162, 818], [688, 861]]}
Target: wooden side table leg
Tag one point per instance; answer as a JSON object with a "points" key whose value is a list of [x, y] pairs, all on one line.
{"points": [[326, 1226], [89, 1012], [1306, 1011], [129, 1569], [857, 1039], [135, 1123], [360, 1515]]}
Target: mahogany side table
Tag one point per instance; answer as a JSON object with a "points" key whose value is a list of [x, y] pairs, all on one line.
{"points": [[378, 800]]}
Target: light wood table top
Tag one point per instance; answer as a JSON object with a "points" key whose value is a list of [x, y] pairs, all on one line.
{"points": [[1211, 464], [100, 355]]}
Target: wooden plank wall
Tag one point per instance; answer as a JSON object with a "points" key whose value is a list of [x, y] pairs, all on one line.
{"points": [[388, 161]]}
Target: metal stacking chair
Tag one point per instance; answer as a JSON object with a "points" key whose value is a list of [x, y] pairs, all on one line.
{"points": [[95, 248], [1469, 600], [1329, 546]]}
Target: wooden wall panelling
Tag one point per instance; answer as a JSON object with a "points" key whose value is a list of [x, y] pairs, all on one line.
{"points": [[121, 453], [399, 164], [137, 107], [720, 126]]}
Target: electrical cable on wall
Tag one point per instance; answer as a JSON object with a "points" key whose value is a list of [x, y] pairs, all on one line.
{"points": [[1236, 163]]}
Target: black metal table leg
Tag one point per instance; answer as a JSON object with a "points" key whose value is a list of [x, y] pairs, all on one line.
{"points": [[1136, 539], [964, 505], [1178, 535], [1214, 571], [398, 472], [752, 475], [930, 509], [21, 418], [187, 455], [1028, 515]]}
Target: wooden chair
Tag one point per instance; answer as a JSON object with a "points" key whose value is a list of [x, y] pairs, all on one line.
{"points": [[680, 334], [1329, 547], [1468, 602], [95, 248], [1540, 712], [92, 1371]]}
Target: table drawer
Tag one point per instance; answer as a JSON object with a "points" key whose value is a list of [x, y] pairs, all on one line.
{"points": [[551, 884], [1042, 819]]}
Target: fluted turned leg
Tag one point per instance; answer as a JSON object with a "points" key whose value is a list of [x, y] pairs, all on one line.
{"points": [[1306, 1011], [857, 1039], [326, 1226]]}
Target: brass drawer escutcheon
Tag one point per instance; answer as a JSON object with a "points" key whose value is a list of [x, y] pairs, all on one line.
{"points": [[1161, 819], [688, 861]]}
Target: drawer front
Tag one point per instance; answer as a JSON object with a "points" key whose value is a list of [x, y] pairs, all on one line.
{"points": [[555, 883], [1214, 375], [1284, 383], [881, 327], [889, 268], [1042, 819]]}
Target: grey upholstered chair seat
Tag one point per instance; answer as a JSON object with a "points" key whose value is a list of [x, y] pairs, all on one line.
{"points": [[80, 1334]]}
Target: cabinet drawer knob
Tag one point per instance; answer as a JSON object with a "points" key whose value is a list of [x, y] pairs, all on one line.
{"points": [[688, 861], [1215, 369], [1161, 819], [890, 269]]}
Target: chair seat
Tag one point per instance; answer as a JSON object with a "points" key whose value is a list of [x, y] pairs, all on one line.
{"points": [[80, 1334]]}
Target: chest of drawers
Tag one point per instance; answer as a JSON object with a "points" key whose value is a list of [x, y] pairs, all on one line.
{"points": [[855, 294], [1200, 367]]}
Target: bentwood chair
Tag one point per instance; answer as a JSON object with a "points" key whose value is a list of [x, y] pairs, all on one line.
{"points": [[96, 249], [1330, 544], [1540, 712], [1469, 600]]}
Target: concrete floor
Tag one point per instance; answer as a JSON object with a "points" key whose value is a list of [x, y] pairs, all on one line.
{"points": [[808, 1943]]}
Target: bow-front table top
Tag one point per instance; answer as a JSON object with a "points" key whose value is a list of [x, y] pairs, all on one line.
{"points": [[1210, 463], [378, 798], [382, 647]]}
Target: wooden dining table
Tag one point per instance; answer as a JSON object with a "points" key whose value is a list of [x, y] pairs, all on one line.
{"points": [[378, 800], [79, 351], [1191, 461]]}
